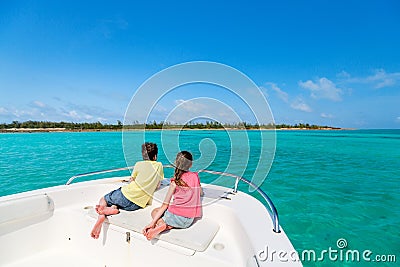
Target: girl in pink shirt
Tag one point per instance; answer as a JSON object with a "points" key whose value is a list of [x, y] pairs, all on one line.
{"points": [[186, 204]]}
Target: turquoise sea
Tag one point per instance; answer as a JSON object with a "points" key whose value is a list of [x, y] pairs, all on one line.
{"points": [[326, 185]]}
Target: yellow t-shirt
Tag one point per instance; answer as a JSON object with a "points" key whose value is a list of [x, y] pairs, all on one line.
{"points": [[147, 174]]}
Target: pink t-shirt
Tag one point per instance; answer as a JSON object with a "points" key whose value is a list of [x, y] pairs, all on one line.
{"points": [[187, 200]]}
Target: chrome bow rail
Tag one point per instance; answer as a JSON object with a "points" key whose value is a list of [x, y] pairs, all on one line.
{"points": [[272, 212], [95, 173]]}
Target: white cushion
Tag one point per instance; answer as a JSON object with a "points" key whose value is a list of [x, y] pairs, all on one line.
{"points": [[197, 237]]}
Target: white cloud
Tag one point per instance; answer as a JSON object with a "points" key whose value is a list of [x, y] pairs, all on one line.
{"points": [[398, 119], [3, 111], [322, 88], [255, 92], [343, 74], [72, 114], [159, 108], [279, 92], [383, 79], [76, 115], [191, 106], [39, 104], [179, 101], [23, 113], [299, 104], [37, 110], [102, 120], [380, 79], [264, 92], [324, 115], [202, 108]]}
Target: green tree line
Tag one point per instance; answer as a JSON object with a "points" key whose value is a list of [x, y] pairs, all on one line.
{"points": [[153, 125], [62, 124]]}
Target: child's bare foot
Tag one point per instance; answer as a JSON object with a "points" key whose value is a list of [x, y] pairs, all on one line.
{"points": [[97, 227], [152, 232], [101, 210], [110, 211]]}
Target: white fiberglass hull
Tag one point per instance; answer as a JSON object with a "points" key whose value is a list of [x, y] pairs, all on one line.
{"points": [[51, 227]]}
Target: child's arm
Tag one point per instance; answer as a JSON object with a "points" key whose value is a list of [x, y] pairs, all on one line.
{"points": [[201, 188], [134, 174], [161, 177], [158, 185], [163, 207]]}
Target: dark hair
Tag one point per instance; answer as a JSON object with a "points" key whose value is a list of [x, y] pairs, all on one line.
{"points": [[183, 162], [149, 151]]}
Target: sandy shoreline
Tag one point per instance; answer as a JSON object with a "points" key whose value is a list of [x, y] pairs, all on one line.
{"points": [[63, 130]]}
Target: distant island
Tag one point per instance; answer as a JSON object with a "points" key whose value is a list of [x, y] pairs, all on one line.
{"points": [[46, 126]]}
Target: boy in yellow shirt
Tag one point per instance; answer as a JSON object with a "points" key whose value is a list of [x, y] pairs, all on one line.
{"points": [[145, 179]]}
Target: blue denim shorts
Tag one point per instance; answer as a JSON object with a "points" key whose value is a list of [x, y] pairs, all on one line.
{"points": [[176, 220], [118, 199]]}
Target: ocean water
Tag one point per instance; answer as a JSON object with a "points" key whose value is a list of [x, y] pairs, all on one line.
{"points": [[326, 185]]}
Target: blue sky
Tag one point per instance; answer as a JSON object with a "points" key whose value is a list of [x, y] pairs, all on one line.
{"points": [[319, 62]]}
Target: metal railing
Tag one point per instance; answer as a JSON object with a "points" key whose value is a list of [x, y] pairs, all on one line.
{"points": [[96, 172], [272, 212]]}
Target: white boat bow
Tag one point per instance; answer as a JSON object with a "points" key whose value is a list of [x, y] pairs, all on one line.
{"points": [[51, 227]]}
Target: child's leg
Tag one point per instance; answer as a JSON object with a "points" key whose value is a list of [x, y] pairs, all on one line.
{"points": [[154, 212], [102, 208], [97, 227], [107, 210], [161, 226]]}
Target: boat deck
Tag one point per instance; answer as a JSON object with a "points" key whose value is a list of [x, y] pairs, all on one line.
{"points": [[62, 237]]}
